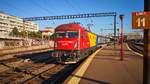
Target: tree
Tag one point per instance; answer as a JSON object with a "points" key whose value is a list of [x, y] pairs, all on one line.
{"points": [[33, 34], [14, 32], [38, 34], [23, 34], [52, 37]]}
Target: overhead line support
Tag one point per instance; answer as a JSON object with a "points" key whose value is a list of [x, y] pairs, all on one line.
{"points": [[70, 16]]}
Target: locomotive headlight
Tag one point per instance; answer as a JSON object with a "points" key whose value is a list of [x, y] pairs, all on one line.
{"points": [[76, 45]]}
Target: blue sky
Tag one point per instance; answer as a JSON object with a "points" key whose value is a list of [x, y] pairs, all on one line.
{"points": [[33, 8]]}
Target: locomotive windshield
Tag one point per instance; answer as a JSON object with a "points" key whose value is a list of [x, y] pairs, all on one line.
{"points": [[68, 34], [72, 34], [61, 35]]}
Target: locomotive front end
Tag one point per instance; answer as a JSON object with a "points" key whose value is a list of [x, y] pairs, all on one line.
{"points": [[66, 43]]}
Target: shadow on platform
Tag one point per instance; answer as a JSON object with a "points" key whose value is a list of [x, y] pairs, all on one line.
{"points": [[111, 59], [113, 49], [90, 79]]}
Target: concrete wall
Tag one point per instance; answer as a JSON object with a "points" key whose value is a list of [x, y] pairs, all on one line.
{"points": [[1, 44], [22, 49]]}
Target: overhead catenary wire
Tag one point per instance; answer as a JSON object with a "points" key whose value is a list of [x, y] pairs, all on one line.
{"points": [[91, 22], [70, 5], [51, 7], [41, 7], [13, 6], [74, 8], [45, 2]]}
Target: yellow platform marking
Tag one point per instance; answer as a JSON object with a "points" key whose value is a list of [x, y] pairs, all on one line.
{"points": [[82, 69], [133, 51]]}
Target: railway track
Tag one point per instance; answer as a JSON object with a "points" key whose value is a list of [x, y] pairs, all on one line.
{"points": [[20, 60], [40, 72], [37, 73], [22, 66], [41, 68], [136, 47], [48, 76], [23, 73]]}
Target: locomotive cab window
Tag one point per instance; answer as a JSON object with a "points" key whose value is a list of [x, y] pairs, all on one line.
{"points": [[61, 35], [72, 34]]}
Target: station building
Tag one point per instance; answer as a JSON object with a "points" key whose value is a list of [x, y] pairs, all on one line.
{"points": [[47, 31]]}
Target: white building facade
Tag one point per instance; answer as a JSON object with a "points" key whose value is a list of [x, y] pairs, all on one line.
{"points": [[8, 22], [30, 26], [4, 24]]}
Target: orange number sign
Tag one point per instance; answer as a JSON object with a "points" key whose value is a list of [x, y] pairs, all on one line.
{"points": [[141, 20]]}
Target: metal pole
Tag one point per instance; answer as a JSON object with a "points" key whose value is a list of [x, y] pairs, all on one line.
{"points": [[146, 70], [118, 35], [121, 50], [114, 30]]}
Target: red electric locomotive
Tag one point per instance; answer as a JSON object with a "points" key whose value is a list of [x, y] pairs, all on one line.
{"points": [[73, 43]]}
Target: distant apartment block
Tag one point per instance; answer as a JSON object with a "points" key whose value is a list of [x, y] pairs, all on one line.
{"points": [[8, 22], [30, 26]]}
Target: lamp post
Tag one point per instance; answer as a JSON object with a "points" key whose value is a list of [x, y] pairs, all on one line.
{"points": [[121, 50], [114, 30]]}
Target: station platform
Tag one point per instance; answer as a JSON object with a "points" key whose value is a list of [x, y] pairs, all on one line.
{"points": [[104, 67]]}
